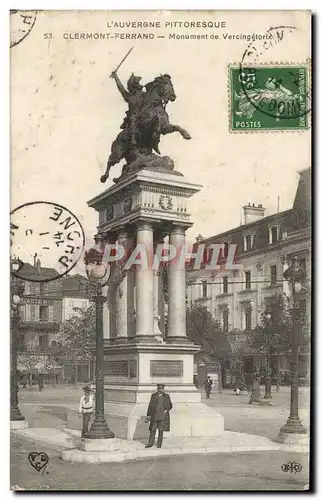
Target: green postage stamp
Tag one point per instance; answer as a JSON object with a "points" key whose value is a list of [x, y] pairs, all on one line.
{"points": [[273, 97]]}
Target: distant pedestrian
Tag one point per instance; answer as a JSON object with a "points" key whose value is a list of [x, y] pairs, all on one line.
{"points": [[195, 380], [40, 382], [208, 386], [158, 415], [248, 382], [256, 391], [86, 408]]}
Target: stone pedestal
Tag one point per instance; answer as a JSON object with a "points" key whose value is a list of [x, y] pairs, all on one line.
{"points": [[293, 439], [132, 372], [150, 206], [18, 424]]}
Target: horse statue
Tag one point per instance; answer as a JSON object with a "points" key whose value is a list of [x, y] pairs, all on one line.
{"points": [[145, 122]]}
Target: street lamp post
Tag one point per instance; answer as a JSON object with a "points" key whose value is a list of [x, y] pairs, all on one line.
{"points": [[268, 381], [295, 275], [97, 272], [17, 288]]}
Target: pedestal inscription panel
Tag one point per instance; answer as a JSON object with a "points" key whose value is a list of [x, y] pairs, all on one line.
{"points": [[166, 368], [124, 368]]}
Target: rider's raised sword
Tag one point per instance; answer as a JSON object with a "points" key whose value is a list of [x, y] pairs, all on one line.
{"points": [[121, 62]]}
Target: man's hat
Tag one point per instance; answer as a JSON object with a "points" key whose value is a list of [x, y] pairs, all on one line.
{"points": [[160, 386], [87, 388]]}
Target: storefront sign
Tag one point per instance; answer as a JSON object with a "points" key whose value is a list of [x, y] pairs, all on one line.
{"points": [[35, 301], [166, 368]]}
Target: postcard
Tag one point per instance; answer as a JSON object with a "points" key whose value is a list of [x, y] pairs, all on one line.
{"points": [[160, 237]]}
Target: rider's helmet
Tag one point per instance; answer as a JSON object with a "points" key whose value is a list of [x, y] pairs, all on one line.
{"points": [[133, 83]]}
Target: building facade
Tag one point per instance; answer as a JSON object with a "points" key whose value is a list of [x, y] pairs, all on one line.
{"points": [[44, 306], [264, 248]]}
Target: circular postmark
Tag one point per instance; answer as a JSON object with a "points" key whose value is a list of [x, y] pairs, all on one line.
{"points": [[47, 241], [281, 91], [21, 23]]}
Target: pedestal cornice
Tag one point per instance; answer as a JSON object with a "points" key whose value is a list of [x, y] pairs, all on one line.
{"points": [[146, 195], [132, 347]]}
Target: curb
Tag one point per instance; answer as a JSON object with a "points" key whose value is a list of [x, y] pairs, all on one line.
{"points": [[41, 442], [79, 456]]}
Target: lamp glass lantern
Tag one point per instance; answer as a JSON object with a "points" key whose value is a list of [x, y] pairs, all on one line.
{"points": [[16, 299], [97, 271]]}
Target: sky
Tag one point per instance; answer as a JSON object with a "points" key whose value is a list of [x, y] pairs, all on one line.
{"points": [[66, 111]]}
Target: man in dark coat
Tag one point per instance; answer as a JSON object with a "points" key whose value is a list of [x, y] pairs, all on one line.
{"points": [[158, 415], [208, 386]]}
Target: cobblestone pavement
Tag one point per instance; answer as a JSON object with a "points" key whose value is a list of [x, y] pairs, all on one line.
{"points": [[250, 471]]}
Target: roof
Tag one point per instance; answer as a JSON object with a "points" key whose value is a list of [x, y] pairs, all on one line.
{"points": [[292, 219], [264, 221], [76, 286], [44, 273]]}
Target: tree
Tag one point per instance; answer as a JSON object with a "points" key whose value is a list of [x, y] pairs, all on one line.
{"points": [[273, 335], [204, 329], [29, 358], [77, 337], [53, 368]]}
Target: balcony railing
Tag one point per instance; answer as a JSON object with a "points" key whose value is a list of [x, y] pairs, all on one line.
{"points": [[39, 325], [25, 348]]}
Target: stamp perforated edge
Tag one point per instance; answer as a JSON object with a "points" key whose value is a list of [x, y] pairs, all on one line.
{"points": [[307, 63]]}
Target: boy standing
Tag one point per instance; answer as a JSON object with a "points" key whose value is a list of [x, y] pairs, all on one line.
{"points": [[86, 408]]}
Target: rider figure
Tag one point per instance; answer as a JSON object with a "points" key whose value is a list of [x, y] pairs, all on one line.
{"points": [[134, 96]]}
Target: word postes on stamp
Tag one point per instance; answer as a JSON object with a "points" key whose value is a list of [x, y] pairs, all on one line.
{"points": [[269, 97], [47, 234], [21, 23]]}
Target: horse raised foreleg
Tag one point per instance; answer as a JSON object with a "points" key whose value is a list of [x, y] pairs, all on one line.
{"points": [[117, 154], [169, 129]]}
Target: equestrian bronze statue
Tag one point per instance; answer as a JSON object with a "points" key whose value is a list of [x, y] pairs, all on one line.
{"points": [[145, 121]]}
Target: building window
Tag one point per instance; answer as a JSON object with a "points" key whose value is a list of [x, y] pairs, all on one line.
{"points": [[34, 288], [274, 234], [32, 312], [247, 279], [204, 289], [43, 340], [303, 264], [207, 255], [225, 250], [22, 312], [273, 275], [247, 243], [43, 313], [21, 341], [225, 320], [225, 284], [248, 318]]}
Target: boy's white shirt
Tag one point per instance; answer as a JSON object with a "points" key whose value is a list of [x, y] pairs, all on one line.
{"points": [[86, 407]]}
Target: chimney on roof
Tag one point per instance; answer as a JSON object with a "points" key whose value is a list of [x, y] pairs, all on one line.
{"points": [[252, 213], [199, 238], [38, 265]]}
